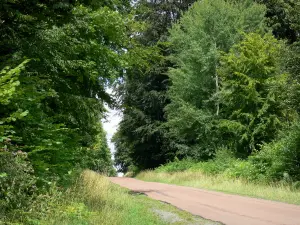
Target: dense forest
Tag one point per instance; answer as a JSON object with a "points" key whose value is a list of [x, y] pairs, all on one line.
{"points": [[226, 80], [57, 58], [194, 80]]}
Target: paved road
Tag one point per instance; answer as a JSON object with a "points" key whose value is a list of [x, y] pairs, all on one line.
{"points": [[228, 209]]}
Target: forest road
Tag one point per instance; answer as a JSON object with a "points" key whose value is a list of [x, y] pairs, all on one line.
{"points": [[225, 208]]}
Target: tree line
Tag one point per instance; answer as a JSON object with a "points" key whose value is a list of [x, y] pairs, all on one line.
{"points": [[226, 78]]}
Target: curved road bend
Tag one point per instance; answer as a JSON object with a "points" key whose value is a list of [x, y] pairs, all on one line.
{"points": [[225, 208]]}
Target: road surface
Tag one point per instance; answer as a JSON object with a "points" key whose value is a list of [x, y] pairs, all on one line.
{"points": [[225, 208]]}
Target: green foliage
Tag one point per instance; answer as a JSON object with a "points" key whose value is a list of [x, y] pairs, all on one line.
{"points": [[245, 170], [206, 29], [142, 139], [17, 180], [17, 184], [279, 160], [251, 94], [159, 16], [98, 157], [9, 82], [51, 106], [213, 87], [290, 60], [283, 16], [230, 85], [223, 160], [175, 166], [93, 199], [240, 98], [62, 89]]}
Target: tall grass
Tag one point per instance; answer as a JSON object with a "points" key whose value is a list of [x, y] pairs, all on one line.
{"points": [[95, 200], [218, 182]]}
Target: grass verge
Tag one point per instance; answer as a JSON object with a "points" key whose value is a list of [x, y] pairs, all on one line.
{"points": [[276, 192], [95, 200]]}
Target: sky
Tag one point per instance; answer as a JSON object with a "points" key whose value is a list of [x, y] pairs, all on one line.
{"points": [[110, 125]]}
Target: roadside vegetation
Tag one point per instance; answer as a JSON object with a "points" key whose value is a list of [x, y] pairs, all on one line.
{"points": [[270, 173], [93, 199], [226, 174]]}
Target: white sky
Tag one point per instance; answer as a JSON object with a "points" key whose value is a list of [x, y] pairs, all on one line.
{"points": [[110, 125]]}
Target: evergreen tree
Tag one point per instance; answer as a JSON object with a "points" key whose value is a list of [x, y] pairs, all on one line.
{"points": [[143, 94]]}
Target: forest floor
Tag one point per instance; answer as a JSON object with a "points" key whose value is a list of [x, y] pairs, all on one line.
{"points": [[216, 206]]}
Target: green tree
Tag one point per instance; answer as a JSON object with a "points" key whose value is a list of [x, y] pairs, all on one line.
{"points": [[206, 29], [252, 93], [76, 48], [283, 16], [9, 82], [17, 183], [142, 139]]}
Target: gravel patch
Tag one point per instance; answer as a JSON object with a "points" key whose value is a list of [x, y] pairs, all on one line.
{"points": [[171, 218], [168, 216]]}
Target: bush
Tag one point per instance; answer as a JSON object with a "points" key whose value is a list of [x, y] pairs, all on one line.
{"points": [[224, 158], [245, 170], [280, 160], [17, 184], [132, 171], [176, 166]]}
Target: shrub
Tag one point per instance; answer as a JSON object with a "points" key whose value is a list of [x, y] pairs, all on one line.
{"points": [[224, 158], [245, 170], [132, 171], [17, 183], [280, 159], [176, 166]]}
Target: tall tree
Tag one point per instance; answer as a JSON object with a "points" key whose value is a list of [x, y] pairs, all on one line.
{"points": [[76, 49], [144, 91], [252, 93], [206, 29]]}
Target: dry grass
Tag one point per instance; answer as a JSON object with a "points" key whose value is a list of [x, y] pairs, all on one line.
{"points": [[276, 192]]}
